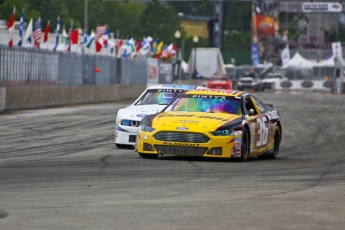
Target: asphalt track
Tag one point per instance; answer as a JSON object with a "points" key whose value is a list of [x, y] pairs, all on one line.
{"points": [[59, 169]]}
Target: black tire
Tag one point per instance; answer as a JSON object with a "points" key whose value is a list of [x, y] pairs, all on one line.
{"points": [[277, 138], [145, 155], [120, 146], [244, 145]]}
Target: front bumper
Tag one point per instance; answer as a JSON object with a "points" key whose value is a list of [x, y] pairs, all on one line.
{"points": [[217, 146], [126, 135]]}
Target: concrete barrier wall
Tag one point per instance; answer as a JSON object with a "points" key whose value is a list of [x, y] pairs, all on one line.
{"points": [[32, 97]]}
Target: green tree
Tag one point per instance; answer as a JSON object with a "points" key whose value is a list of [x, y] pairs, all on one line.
{"points": [[159, 21]]}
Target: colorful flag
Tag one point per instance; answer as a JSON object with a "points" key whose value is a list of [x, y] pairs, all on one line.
{"points": [[69, 36], [105, 38], [57, 33], [118, 46], [91, 39], [85, 39], [28, 33], [21, 27], [74, 36], [146, 45], [98, 46], [46, 32], [154, 46], [10, 26], [159, 48], [100, 30], [128, 48], [37, 33], [137, 49], [64, 39]]}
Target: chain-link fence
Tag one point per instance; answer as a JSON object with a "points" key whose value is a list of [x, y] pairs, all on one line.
{"points": [[315, 73], [29, 66]]}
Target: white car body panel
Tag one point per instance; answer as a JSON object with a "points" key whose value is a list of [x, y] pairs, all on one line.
{"points": [[126, 134]]}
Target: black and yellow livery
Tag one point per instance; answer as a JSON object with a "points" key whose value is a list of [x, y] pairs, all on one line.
{"points": [[212, 123]]}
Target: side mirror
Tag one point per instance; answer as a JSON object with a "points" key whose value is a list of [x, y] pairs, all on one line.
{"points": [[251, 112]]}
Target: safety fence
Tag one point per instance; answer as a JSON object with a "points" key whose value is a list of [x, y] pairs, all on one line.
{"points": [[29, 66], [315, 73]]}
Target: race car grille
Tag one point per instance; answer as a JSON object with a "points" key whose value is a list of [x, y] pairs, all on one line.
{"points": [[181, 150], [181, 137], [246, 82]]}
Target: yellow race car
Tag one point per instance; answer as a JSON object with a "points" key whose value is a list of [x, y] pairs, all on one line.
{"points": [[212, 123]]}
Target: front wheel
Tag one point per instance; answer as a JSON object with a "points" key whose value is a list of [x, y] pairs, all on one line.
{"points": [[244, 145], [145, 155]]}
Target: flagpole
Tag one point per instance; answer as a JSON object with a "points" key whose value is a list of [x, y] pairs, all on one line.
{"points": [[47, 36], [14, 13]]}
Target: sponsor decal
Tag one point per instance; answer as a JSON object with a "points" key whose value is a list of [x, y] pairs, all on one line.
{"points": [[141, 115], [188, 121], [232, 152], [180, 144], [237, 140], [272, 115], [145, 137], [237, 133], [191, 115], [237, 143], [172, 90], [208, 96], [313, 7], [181, 128]]}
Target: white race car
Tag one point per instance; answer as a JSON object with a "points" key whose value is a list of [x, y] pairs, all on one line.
{"points": [[151, 101]]}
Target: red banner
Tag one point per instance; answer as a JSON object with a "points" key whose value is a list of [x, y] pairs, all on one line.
{"points": [[265, 26]]}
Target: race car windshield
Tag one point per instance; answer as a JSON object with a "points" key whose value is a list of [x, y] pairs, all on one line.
{"points": [[158, 96], [206, 103]]}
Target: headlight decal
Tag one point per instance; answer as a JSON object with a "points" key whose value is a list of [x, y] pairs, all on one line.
{"points": [[118, 128], [131, 123], [146, 128]]}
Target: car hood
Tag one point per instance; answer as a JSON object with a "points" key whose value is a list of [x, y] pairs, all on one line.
{"points": [[137, 112], [192, 121]]}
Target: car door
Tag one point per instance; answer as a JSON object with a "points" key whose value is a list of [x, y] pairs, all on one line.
{"points": [[259, 124]]}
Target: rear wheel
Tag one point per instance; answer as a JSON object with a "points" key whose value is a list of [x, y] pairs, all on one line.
{"points": [[277, 138], [145, 155], [244, 145]]}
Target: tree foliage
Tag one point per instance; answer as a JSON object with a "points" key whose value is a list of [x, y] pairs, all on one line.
{"points": [[136, 19]]}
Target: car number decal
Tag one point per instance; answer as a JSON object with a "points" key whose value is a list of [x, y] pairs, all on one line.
{"points": [[262, 132]]}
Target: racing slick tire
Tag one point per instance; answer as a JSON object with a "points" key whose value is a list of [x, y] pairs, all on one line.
{"points": [[244, 145], [277, 138], [120, 146], [145, 155]]}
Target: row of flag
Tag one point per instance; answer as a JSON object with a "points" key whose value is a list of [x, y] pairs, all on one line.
{"points": [[101, 39]]}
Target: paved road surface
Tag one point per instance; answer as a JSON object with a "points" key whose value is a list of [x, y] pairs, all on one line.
{"points": [[59, 169]]}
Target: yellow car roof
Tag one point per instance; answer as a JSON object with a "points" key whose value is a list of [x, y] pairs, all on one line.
{"points": [[220, 92]]}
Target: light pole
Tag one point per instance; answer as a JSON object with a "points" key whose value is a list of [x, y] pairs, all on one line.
{"points": [[177, 36], [195, 41]]}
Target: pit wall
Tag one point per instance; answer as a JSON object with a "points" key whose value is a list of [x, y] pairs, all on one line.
{"points": [[32, 97]]}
